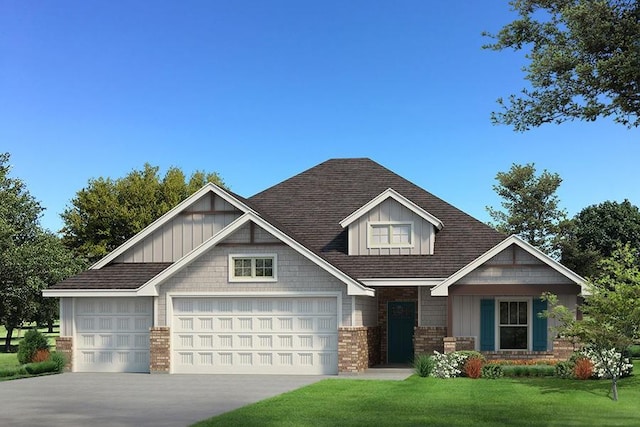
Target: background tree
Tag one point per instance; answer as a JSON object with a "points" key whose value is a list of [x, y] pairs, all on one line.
{"points": [[30, 258], [596, 231], [107, 212], [584, 61], [530, 206], [611, 312]]}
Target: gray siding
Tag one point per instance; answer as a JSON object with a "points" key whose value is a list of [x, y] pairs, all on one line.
{"points": [[390, 210], [184, 232], [366, 311], [433, 310], [66, 317], [209, 273]]}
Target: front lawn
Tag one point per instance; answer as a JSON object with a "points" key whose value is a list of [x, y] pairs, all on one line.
{"points": [[451, 402]]}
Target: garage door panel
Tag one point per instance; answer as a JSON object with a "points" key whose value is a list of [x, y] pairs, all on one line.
{"points": [[112, 334], [255, 335]]}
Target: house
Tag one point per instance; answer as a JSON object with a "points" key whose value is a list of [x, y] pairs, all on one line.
{"points": [[344, 266]]}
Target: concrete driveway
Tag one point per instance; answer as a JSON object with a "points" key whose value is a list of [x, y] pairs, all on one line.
{"points": [[96, 400]]}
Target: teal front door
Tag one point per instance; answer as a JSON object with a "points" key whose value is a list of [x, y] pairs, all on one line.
{"points": [[401, 320]]}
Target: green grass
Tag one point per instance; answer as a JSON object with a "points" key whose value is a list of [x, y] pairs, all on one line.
{"points": [[8, 360], [452, 402]]}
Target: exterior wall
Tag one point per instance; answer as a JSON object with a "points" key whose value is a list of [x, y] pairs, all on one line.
{"points": [[210, 274], [390, 210], [466, 314], [427, 339], [66, 317], [366, 313], [64, 345], [433, 310], [385, 295], [453, 344], [185, 232], [357, 348], [160, 350]]}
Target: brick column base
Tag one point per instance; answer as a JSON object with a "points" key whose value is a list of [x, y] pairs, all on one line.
{"points": [[160, 350], [564, 348], [426, 339], [64, 346], [453, 344], [358, 348]]}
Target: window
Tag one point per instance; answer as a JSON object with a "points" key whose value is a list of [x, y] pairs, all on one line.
{"points": [[514, 325], [252, 268], [390, 235]]}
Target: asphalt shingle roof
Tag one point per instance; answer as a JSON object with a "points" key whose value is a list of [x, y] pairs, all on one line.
{"points": [[114, 276]]}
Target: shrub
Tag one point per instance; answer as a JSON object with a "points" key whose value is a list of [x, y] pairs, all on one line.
{"points": [[12, 372], [634, 351], [41, 355], [59, 359], [40, 367], [564, 370], [492, 371], [471, 354], [528, 371], [607, 361], [447, 365], [583, 368], [32, 342], [473, 367]]}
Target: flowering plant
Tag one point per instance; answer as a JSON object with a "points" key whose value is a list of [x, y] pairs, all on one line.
{"points": [[608, 363], [447, 365]]}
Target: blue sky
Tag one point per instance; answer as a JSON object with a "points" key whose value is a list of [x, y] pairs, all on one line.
{"points": [[259, 91]]}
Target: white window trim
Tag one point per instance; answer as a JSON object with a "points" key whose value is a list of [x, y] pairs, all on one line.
{"points": [[253, 257], [529, 323], [370, 225]]}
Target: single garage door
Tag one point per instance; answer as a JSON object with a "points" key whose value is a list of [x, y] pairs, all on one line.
{"points": [[274, 335], [112, 334]]}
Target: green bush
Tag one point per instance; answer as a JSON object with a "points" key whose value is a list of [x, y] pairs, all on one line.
{"points": [[528, 371], [423, 365], [12, 372], [471, 354], [564, 370], [492, 371], [32, 342], [634, 351], [41, 367], [59, 359]]}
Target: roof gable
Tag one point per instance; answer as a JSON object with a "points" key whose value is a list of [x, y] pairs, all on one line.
{"points": [[390, 193], [164, 219], [443, 288]]}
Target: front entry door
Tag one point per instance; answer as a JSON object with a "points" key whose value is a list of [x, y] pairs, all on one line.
{"points": [[400, 325]]}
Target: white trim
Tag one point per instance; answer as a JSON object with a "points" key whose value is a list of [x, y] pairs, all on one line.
{"points": [[63, 293], [391, 193], [442, 289], [253, 257], [209, 187], [156, 306], [390, 225], [353, 286], [430, 282]]}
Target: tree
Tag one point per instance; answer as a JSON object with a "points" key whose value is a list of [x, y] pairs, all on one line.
{"points": [[611, 311], [584, 61], [595, 232], [107, 212], [30, 258], [531, 206]]}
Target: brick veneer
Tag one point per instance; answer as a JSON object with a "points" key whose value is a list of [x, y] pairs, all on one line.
{"points": [[160, 350], [357, 348], [64, 345], [452, 344], [426, 339], [564, 348], [385, 295]]}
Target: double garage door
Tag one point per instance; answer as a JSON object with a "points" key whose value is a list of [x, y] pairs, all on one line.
{"points": [[265, 335]]}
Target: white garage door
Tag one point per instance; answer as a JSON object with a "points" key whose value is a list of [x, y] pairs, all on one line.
{"points": [[255, 335], [112, 334]]}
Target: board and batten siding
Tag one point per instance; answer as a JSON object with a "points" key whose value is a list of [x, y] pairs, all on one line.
{"points": [[209, 274], [390, 211], [201, 220], [466, 314], [433, 310], [66, 317]]}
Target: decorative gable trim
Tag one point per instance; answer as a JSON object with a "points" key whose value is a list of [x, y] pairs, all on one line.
{"points": [[443, 288], [353, 286], [209, 187], [391, 193]]}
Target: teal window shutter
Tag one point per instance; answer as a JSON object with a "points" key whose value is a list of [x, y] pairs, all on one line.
{"points": [[487, 325], [539, 325]]}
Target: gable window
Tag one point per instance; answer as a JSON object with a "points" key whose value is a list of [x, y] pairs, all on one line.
{"points": [[390, 234], [514, 325], [252, 268]]}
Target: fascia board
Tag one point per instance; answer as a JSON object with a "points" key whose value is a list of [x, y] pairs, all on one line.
{"points": [[150, 288], [391, 193], [390, 282], [443, 288], [63, 293], [209, 187]]}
